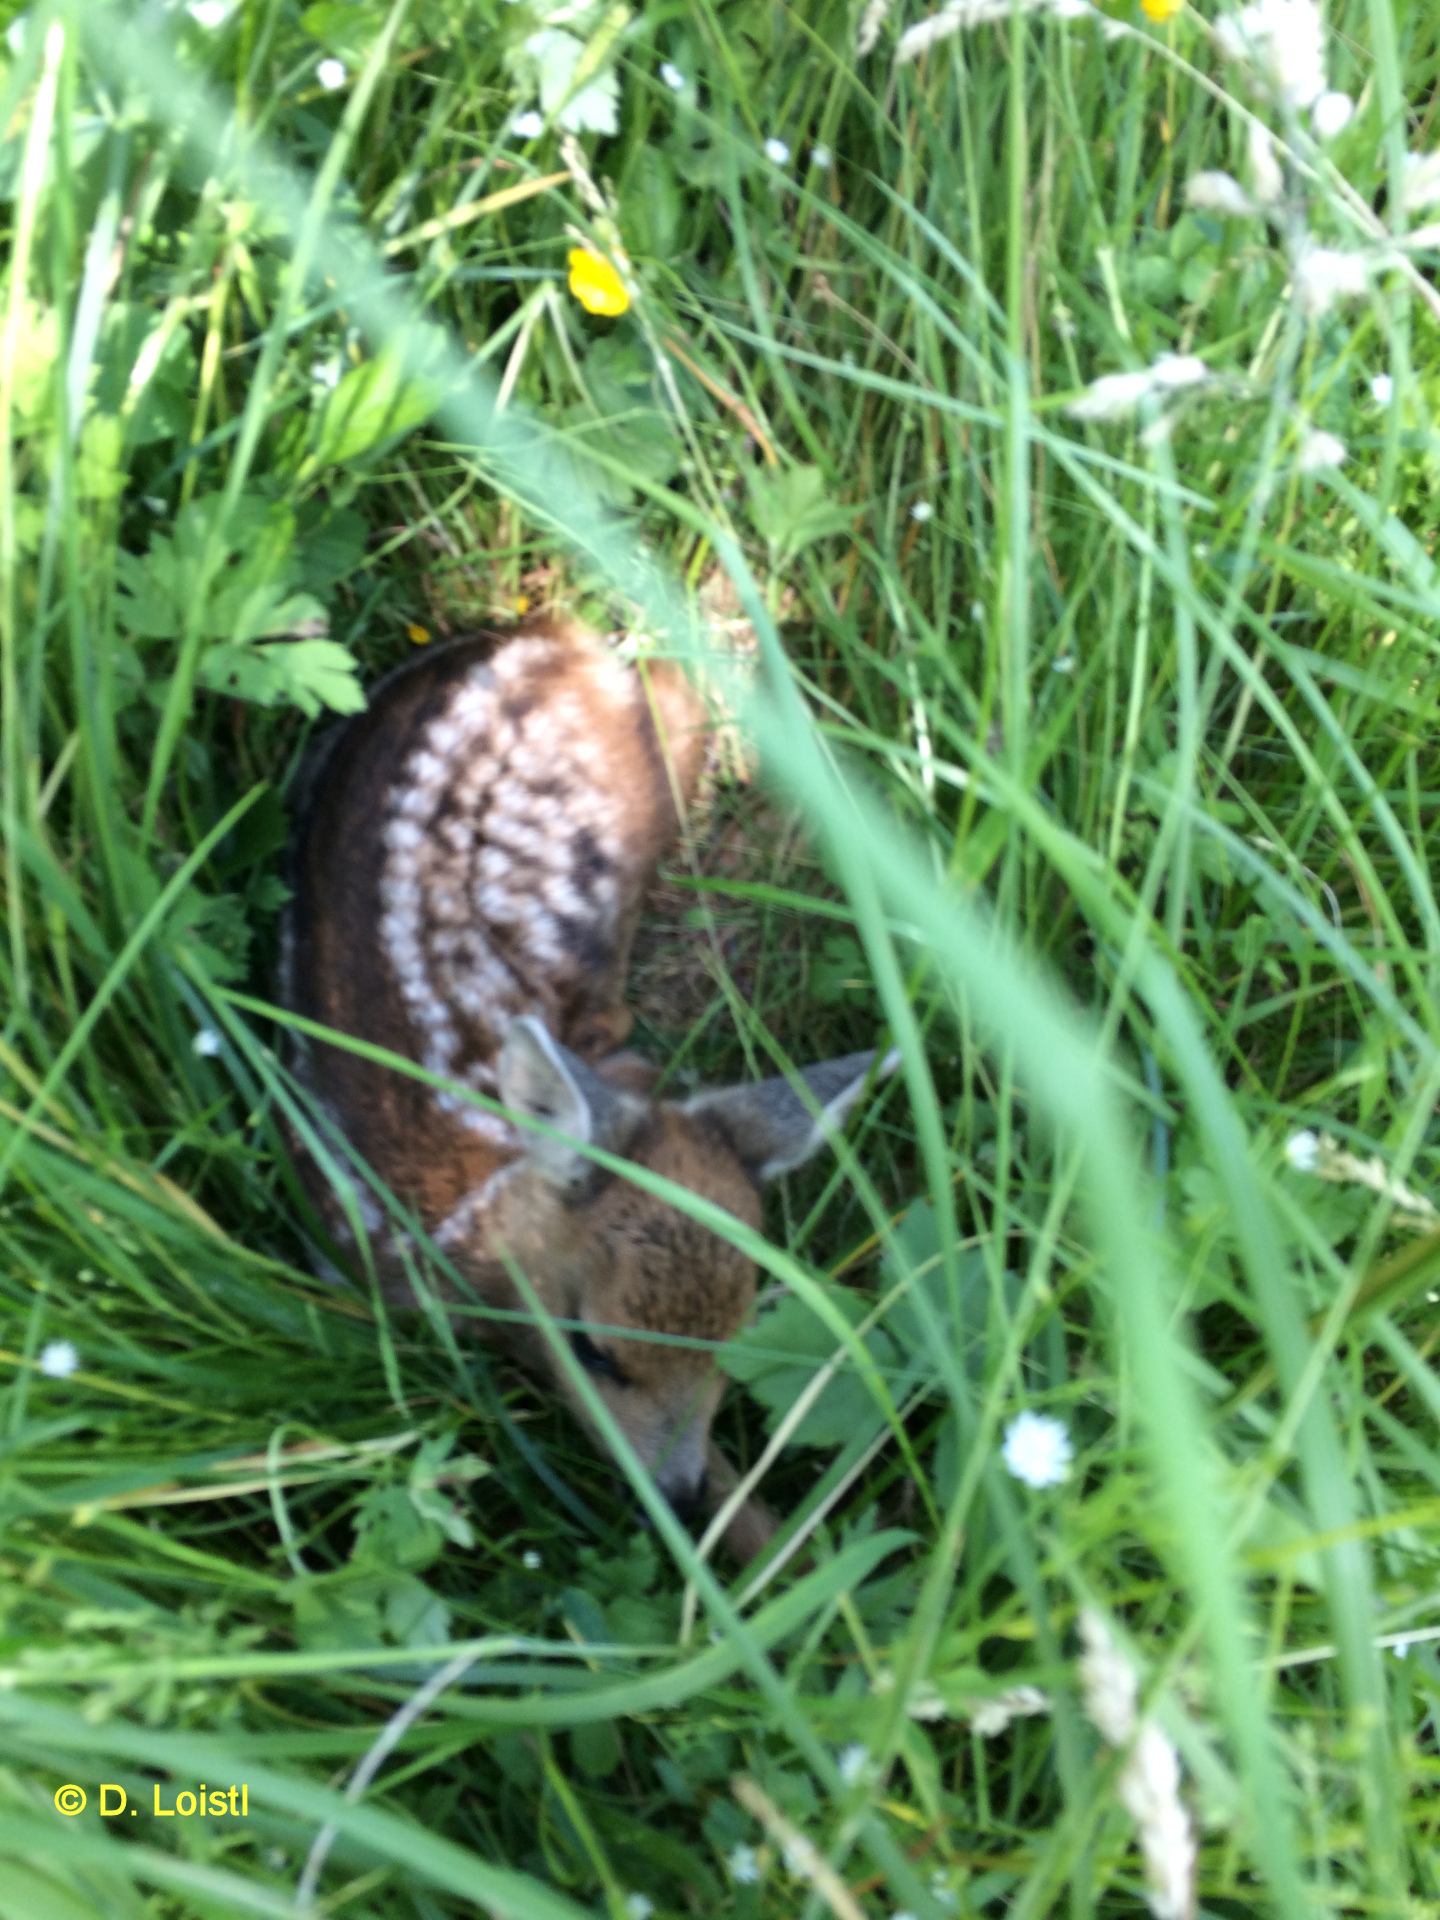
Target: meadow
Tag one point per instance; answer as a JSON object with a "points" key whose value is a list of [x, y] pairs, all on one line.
{"points": [[1024, 416]]}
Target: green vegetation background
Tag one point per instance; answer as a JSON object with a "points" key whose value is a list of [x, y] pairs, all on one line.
{"points": [[1097, 768]]}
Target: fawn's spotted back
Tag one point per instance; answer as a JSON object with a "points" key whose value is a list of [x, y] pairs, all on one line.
{"points": [[467, 870]]}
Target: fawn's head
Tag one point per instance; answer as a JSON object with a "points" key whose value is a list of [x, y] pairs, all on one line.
{"points": [[599, 1249]]}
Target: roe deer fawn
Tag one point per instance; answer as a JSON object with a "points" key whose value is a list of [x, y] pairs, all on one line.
{"points": [[467, 871]]}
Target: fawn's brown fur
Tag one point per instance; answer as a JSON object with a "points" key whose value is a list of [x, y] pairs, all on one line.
{"points": [[467, 868]]}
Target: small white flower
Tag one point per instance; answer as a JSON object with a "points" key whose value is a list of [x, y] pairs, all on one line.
{"points": [[1174, 370], [871, 22], [1421, 183], [1063, 663], [1323, 275], [1401, 1649], [1216, 192], [1037, 1449], [672, 76], [1331, 114], [326, 373], [852, 1762], [332, 75], [59, 1359], [977, 613], [1284, 40], [209, 13], [1302, 1150], [1110, 397], [744, 1866], [1265, 175], [921, 511], [1382, 387], [528, 126], [531, 1561], [1319, 452], [777, 151], [989, 1717], [822, 158], [206, 1043], [638, 1906]]}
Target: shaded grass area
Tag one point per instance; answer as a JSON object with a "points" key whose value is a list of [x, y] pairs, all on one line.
{"points": [[1097, 771]]}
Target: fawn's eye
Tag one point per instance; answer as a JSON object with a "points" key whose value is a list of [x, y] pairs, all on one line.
{"points": [[596, 1361]]}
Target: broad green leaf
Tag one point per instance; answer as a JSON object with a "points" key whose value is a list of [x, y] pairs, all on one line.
{"points": [[791, 509]]}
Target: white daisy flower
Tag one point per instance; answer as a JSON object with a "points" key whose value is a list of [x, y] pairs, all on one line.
{"points": [[332, 75], [1037, 1449], [1382, 388], [672, 76], [777, 151], [528, 126], [59, 1359]]}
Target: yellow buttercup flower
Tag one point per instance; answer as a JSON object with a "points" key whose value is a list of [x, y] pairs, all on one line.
{"points": [[595, 283], [1161, 9]]}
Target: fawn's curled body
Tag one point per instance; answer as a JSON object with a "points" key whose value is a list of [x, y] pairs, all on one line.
{"points": [[467, 869]]}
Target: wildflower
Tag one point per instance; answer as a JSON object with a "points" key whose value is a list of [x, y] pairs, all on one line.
{"points": [[989, 1717], [672, 76], [209, 13], [1115, 394], [332, 75], [822, 158], [1284, 40], [1323, 275], [528, 125], [531, 1561], [1331, 114], [638, 1906], [1149, 1784], [1382, 387], [744, 1866], [59, 1359], [1216, 192], [1037, 1449], [871, 22], [1420, 185], [1265, 175], [1319, 452], [852, 1762], [1063, 663], [1302, 1150], [595, 283], [921, 511], [960, 15], [777, 151], [1161, 9], [206, 1043]]}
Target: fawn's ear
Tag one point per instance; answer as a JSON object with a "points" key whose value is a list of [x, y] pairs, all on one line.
{"points": [[772, 1129], [542, 1080]]}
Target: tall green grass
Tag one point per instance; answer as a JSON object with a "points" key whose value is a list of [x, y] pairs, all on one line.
{"points": [[1111, 749]]}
